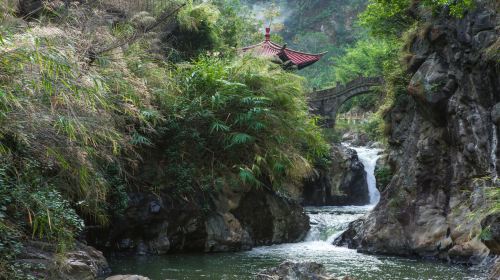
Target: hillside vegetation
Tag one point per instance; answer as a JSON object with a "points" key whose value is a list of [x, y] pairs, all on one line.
{"points": [[73, 126]]}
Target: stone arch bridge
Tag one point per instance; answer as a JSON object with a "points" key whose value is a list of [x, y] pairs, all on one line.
{"points": [[327, 102]]}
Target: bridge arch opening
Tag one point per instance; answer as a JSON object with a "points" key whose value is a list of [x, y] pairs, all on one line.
{"points": [[327, 103], [359, 107]]}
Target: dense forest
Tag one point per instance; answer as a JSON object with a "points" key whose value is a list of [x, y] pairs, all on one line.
{"points": [[140, 128]]}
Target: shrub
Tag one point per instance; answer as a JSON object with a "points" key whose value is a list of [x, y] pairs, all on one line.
{"points": [[223, 107]]}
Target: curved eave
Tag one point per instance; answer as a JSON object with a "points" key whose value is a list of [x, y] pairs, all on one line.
{"points": [[269, 48]]}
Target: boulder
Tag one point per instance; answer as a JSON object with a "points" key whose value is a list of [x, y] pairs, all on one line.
{"points": [[296, 271], [271, 219], [127, 277], [225, 233], [81, 263], [351, 238]]}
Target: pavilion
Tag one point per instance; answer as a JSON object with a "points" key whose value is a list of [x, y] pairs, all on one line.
{"points": [[290, 59]]}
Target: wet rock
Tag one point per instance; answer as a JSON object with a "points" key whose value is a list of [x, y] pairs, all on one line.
{"points": [[154, 207], [356, 139], [441, 149], [157, 225], [427, 83], [483, 20], [491, 225], [484, 39], [375, 145], [495, 114], [351, 238], [81, 263], [343, 183], [296, 271], [495, 270], [383, 172], [225, 233], [270, 219]]}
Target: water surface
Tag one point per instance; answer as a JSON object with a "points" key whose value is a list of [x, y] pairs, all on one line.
{"points": [[327, 223]]}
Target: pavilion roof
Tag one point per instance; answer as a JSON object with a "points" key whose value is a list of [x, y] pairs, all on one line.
{"points": [[268, 48]]}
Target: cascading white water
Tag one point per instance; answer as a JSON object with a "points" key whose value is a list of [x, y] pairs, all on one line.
{"points": [[328, 222], [369, 157]]}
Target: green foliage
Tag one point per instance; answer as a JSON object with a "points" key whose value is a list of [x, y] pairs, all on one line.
{"points": [[202, 28], [36, 205], [374, 128], [337, 32], [485, 234], [366, 102], [387, 17], [367, 58], [322, 73], [383, 176], [67, 122], [29, 206], [71, 133], [390, 18], [224, 107], [485, 201], [493, 199], [457, 8]]}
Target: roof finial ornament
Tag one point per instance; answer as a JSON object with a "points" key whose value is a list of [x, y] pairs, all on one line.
{"points": [[268, 33]]}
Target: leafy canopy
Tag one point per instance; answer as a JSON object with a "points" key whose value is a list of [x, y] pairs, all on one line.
{"points": [[393, 17]]}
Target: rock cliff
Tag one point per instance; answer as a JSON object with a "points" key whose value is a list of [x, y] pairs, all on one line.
{"points": [[158, 225], [343, 183], [443, 143]]}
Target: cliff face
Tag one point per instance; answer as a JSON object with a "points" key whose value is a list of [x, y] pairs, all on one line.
{"points": [[343, 183], [158, 225], [443, 144], [222, 220]]}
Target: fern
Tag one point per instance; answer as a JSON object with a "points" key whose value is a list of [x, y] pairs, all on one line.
{"points": [[219, 127], [241, 138]]}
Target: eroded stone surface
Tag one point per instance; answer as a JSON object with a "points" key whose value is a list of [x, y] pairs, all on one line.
{"points": [[343, 183], [296, 271], [441, 147]]}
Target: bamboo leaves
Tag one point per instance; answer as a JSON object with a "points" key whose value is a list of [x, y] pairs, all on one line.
{"points": [[250, 116]]}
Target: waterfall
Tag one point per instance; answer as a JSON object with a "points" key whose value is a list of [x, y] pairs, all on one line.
{"points": [[369, 157], [328, 222]]}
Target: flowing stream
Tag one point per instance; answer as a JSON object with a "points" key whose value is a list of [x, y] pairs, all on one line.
{"points": [[327, 223]]}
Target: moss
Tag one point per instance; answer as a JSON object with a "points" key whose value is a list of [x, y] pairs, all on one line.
{"points": [[384, 176], [492, 53]]}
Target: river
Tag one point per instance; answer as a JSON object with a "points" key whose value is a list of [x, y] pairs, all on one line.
{"points": [[327, 223]]}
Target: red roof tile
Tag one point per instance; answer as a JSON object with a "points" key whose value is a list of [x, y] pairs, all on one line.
{"points": [[269, 49]]}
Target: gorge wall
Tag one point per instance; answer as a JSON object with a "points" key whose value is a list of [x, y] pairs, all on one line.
{"points": [[443, 143], [343, 182], [237, 221], [222, 220]]}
